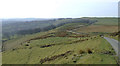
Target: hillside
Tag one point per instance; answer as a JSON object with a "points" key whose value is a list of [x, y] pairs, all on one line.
{"points": [[77, 41], [14, 28]]}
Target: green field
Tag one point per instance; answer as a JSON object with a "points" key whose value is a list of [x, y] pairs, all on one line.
{"points": [[107, 21], [71, 43], [95, 49]]}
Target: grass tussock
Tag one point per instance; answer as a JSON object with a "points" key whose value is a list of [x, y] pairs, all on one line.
{"points": [[81, 51], [89, 51]]}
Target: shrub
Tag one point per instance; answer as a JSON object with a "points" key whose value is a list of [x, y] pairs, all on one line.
{"points": [[89, 51], [27, 45], [30, 47], [13, 49]]}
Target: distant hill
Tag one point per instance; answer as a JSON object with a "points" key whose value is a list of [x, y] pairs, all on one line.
{"points": [[24, 26], [13, 20]]}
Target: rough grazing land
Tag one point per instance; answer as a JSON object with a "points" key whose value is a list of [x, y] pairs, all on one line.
{"points": [[61, 46]]}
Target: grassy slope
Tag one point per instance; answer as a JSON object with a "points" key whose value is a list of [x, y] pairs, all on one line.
{"points": [[33, 55], [107, 21], [114, 37], [16, 42], [86, 58], [99, 28], [109, 25], [106, 25]]}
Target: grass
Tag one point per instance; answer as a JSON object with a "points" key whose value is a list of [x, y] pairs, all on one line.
{"points": [[114, 37], [107, 21], [101, 59], [98, 28], [0, 58], [70, 26], [94, 50], [86, 58], [33, 56], [16, 42], [52, 40]]}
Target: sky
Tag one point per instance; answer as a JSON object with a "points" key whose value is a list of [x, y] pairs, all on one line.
{"points": [[58, 8]]}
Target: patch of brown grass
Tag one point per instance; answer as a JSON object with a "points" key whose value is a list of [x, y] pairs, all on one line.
{"points": [[98, 28]]}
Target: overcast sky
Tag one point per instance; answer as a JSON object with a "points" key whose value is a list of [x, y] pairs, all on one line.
{"points": [[57, 8]]}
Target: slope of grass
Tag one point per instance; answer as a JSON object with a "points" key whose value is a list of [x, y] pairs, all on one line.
{"points": [[10, 44], [98, 28], [71, 26], [98, 46], [106, 21], [60, 48]]}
